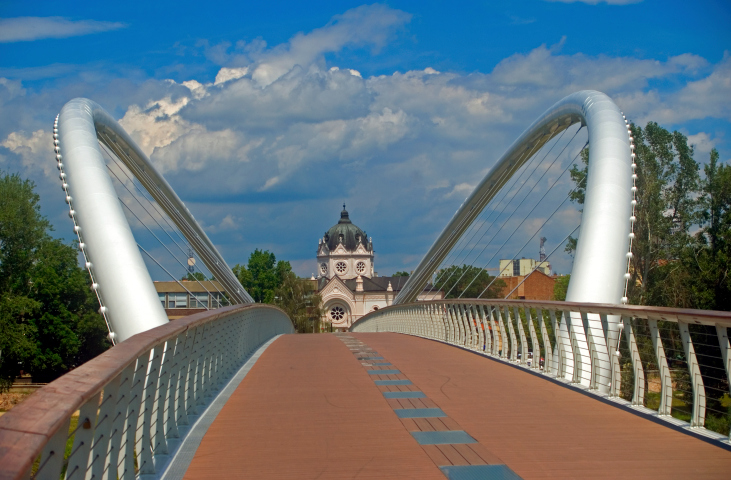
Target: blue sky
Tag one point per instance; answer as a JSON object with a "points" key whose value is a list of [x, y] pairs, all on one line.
{"points": [[266, 116]]}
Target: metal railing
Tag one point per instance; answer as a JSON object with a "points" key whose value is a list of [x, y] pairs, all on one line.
{"points": [[136, 402], [671, 363]]}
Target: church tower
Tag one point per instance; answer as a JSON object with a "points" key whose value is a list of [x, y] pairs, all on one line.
{"points": [[345, 251]]}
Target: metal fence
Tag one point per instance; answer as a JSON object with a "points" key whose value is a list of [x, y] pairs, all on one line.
{"points": [[124, 414], [671, 363]]}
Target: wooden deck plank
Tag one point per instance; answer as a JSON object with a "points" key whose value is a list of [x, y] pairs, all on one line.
{"points": [[308, 409], [544, 430]]}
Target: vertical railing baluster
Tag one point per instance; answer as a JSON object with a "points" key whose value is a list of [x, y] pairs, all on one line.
{"points": [[119, 417], [144, 442], [503, 332], [698, 416], [666, 386], [547, 350], [638, 394], [52, 456], [536, 362], [133, 414], [523, 340], [513, 340], [78, 460]]}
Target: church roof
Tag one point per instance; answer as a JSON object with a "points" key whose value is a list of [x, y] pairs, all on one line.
{"points": [[347, 233]]}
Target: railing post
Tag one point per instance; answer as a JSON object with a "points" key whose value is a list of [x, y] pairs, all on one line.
{"points": [[638, 394], [613, 351], [110, 469], [144, 442], [723, 342], [513, 341], [536, 362], [578, 365], [563, 345], [523, 340], [698, 418], [593, 354], [103, 430], [547, 350], [503, 333], [52, 456], [78, 460], [133, 415], [666, 386], [486, 334]]}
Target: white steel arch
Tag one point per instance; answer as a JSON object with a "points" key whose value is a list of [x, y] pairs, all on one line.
{"points": [[600, 260], [120, 278]]}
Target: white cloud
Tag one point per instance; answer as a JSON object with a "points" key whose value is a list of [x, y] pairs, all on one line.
{"points": [[23, 29], [282, 137]]}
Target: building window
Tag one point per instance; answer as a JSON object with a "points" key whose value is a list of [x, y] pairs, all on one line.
{"points": [[337, 313], [323, 268], [199, 300], [516, 268], [340, 267], [177, 300], [161, 296], [360, 268], [218, 300]]}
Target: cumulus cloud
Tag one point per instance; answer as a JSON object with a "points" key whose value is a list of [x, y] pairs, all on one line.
{"points": [[24, 29], [282, 137]]}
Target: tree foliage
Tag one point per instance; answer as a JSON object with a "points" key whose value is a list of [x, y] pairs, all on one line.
{"points": [[48, 319], [401, 274], [298, 298], [468, 282], [682, 244], [262, 275]]}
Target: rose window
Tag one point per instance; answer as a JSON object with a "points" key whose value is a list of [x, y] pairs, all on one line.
{"points": [[360, 268], [337, 313], [341, 267], [323, 268]]}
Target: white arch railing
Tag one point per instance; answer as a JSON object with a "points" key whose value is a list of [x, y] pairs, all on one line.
{"points": [[601, 257], [126, 294], [528, 334]]}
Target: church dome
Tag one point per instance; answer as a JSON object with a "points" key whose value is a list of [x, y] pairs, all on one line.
{"points": [[347, 233]]}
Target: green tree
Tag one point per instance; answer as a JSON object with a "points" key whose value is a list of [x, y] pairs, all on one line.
{"points": [[297, 297], [668, 183], [48, 323], [401, 274], [560, 287], [710, 262], [262, 275], [468, 282], [194, 276]]}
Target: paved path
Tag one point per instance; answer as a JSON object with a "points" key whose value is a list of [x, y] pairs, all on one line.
{"points": [[314, 406]]}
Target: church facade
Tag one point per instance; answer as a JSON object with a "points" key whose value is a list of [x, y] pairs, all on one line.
{"points": [[347, 280]]}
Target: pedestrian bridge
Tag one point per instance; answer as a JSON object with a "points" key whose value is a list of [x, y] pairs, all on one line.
{"points": [[231, 394], [458, 388]]}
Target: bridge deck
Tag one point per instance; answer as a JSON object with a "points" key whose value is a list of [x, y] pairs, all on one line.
{"points": [[310, 409]]}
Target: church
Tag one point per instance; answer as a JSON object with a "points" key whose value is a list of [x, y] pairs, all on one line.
{"points": [[347, 280]]}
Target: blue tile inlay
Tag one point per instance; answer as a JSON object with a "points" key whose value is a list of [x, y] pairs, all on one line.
{"points": [[479, 472], [447, 437], [404, 395], [420, 413], [370, 358], [393, 382], [383, 372], [381, 364]]}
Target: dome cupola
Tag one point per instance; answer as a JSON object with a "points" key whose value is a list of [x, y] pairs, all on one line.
{"points": [[347, 233]]}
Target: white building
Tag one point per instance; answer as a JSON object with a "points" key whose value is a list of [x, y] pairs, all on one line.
{"points": [[522, 266], [346, 279]]}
